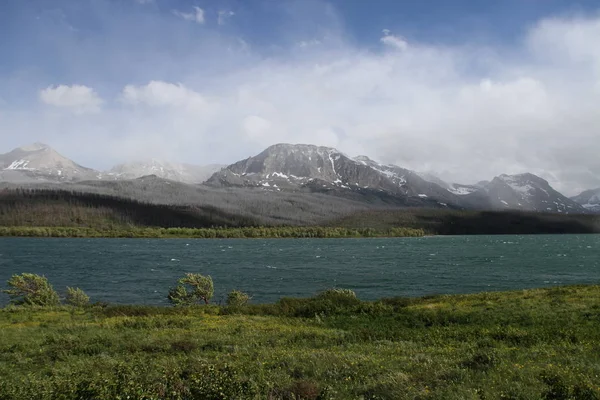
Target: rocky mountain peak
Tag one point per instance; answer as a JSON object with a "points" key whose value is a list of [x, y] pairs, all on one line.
{"points": [[528, 192], [363, 159], [37, 146], [318, 168], [39, 161]]}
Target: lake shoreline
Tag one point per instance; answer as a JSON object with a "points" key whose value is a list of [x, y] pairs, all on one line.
{"points": [[318, 232], [211, 233]]}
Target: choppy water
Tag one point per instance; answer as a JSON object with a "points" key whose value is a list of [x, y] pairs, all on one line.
{"points": [[142, 270]]}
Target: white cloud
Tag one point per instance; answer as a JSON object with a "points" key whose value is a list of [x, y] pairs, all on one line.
{"points": [[466, 112], [163, 94], [78, 98], [256, 127], [144, 1], [223, 16], [393, 40], [196, 16], [308, 43]]}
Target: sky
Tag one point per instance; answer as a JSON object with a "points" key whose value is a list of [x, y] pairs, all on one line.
{"points": [[465, 89]]}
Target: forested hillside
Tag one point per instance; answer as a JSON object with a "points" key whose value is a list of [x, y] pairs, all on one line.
{"points": [[52, 208], [61, 208], [270, 207]]}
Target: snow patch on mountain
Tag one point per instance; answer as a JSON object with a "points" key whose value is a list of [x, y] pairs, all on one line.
{"points": [[18, 164], [462, 190]]}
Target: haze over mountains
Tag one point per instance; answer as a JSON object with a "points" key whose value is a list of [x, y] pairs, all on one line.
{"points": [[307, 169]]}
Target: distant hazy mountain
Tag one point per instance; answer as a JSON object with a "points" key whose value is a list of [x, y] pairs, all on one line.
{"points": [[589, 199], [186, 173], [40, 162], [516, 192], [524, 192]]}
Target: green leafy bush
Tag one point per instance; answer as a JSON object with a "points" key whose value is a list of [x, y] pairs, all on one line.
{"points": [[192, 289], [77, 297], [237, 298], [31, 289]]}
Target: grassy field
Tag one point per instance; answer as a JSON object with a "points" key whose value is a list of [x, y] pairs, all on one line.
{"points": [[529, 344]]}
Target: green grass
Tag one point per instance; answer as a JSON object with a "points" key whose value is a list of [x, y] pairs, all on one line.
{"points": [[206, 233], [531, 344]]}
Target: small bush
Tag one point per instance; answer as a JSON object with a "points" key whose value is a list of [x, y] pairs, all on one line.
{"points": [[183, 345], [482, 360], [237, 298], [337, 293], [31, 289], [192, 289], [77, 297], [328, 302]]}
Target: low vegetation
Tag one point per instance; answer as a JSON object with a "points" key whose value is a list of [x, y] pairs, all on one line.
{"points": [[531, 344]]}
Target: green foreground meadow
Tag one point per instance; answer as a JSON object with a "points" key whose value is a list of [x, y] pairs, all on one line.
{"points": [[532, 344]]}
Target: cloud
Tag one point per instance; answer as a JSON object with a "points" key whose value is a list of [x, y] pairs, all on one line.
{"points": [[77, 98], [393, 41], [144, 1], [223, 16], [196, 16], [467, 112], [309, 43], [255, 127], [163, 94]]}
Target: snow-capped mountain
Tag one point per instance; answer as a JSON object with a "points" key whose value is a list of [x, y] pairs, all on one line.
{"points": [[39, 161], [314, 169], [302, 166], [526, 192], [185, 173], [589, 199]]}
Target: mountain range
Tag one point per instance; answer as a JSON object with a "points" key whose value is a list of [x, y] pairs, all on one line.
{"points": [[39, 162], [309, 169]]}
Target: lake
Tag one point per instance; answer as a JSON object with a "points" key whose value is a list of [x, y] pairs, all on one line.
{"points": [[140, 271]]}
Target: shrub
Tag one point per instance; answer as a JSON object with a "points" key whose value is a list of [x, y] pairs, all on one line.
{"points": [[337, 293], [191, 289], [237, 298], [77, 297], [31, 289], [328, 302]]}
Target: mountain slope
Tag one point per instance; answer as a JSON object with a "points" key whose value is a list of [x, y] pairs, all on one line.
{"points": [[38, 162], [589, 199], [314, 168]]}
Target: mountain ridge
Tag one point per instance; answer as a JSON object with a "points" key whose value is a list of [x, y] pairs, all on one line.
{"points": [[312, 169]]}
